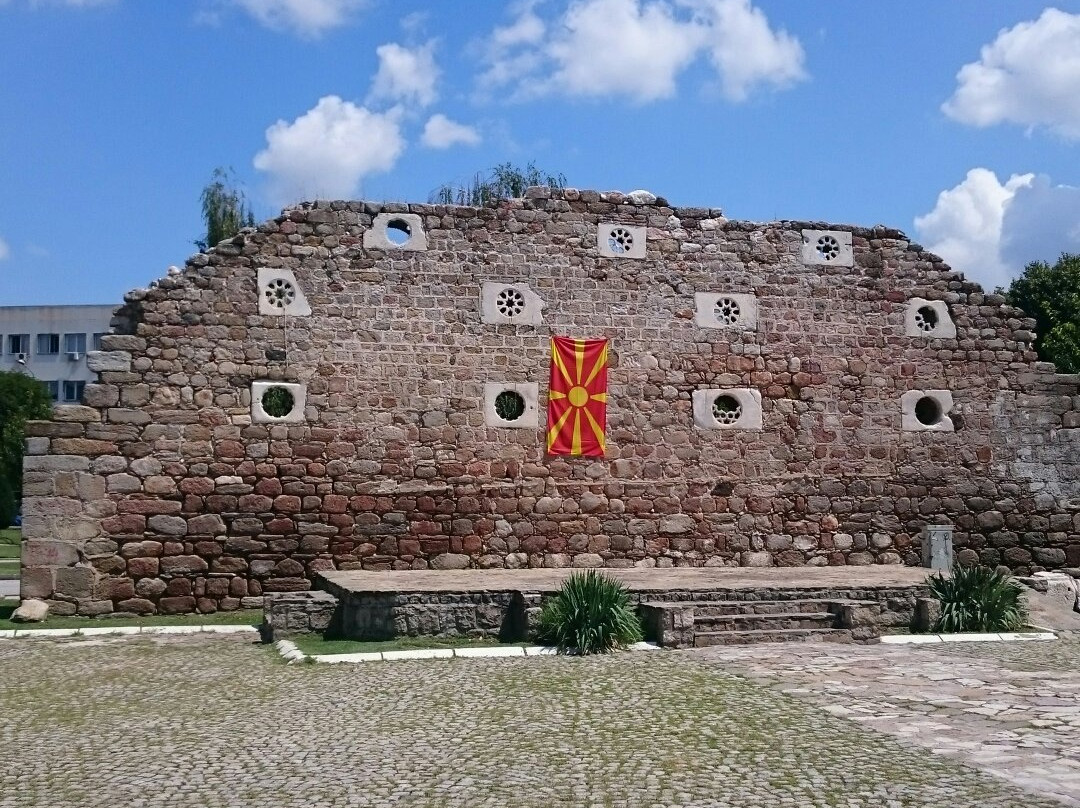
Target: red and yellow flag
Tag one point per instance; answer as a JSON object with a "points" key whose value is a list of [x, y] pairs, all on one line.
{"points": [[577, 397]]}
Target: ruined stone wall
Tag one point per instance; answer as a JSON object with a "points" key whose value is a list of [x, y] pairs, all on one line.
{"points": [[170, 491]]}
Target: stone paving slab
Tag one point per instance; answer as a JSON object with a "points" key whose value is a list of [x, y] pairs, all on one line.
{"points": [[636, 579], [219, 722], [1011, 709]]}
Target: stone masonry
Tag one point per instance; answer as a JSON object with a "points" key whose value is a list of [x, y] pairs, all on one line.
{"points": [[779, 394]]}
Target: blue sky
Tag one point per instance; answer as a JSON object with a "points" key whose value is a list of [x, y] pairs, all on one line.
{"points": [[957, 122]]}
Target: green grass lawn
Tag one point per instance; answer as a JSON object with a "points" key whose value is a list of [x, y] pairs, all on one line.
{"points": [[248, 617], [313, 644], [9, 553]]}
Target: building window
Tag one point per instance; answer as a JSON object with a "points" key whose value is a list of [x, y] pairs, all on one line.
{"points": [[75, 343], [73, 391], [18, 344], [48, 343], [53, 389], [97, 340]]}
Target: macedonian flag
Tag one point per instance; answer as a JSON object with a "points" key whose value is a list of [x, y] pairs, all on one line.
{"points": [[577, 397]]}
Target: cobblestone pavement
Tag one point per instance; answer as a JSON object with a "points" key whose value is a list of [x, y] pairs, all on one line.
{"points": [[1012, 709], [217, 721]]}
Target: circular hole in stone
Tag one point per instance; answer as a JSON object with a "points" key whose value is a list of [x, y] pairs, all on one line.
{"points": [[620, 240], [509, 405], [510, 302], [726, 409], [398, 231], [727, 311], [279, 293], [928, 411], [828, 248], [277, 402], [926, 319]]}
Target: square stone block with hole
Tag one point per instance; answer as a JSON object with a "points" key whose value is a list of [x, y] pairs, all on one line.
{"points": [[926, 411], [929, 319], [280, 294], [295, 415], [396, 231], [827, 248], [725, 310], [727, 409], [615, 240], [511, 405], [510, 304]]}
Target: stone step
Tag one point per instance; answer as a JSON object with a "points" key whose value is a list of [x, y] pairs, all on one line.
{"points": [[729, 607], [754, 622], [704, 639]]}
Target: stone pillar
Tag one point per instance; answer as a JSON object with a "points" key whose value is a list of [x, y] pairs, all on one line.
{"points": [[938, 548]]}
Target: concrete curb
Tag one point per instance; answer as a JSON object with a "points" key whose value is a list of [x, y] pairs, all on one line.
{"points": [[292, 654], [922, 639], [99, 631]]}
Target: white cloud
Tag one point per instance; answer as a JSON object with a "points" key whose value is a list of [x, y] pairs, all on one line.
{"points": [[441, 133], [638, 49], [989, 230], [746, 52], [406, 75], [1029, 75], [1041, 221], [5, 250], [307, 18], [328, 150]]}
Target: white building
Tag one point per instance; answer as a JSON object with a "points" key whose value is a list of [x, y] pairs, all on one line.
{"points": [[50, 344]]}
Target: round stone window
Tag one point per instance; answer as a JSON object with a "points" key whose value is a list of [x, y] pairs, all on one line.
{"points": [[398, 232], [726, 410], [828, 248], [510, 302], [928, 411], [926, 319], [277, 402], [279, 293], [620, 240], [509, 405], [727, 311]]}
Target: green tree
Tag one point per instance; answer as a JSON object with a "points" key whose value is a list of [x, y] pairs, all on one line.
{"points": [[504, 181], [22, 398], [224, 208], [1051, 294]]}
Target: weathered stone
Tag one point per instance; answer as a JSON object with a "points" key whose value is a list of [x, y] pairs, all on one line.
{"points": [[183, 565], [75, 582], [168, 525], [30, 611], [450, 561], [44, 552], [99, 361]]}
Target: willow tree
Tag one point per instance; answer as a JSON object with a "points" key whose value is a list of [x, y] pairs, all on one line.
{"points": [[224, 208]]}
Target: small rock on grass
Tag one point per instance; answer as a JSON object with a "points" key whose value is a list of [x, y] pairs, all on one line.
{"points": [[31, 611]]}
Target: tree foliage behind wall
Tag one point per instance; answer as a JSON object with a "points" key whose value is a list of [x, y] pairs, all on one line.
{"points": [[224, 209], [505, 181], [1051, 294], [22, 398]]}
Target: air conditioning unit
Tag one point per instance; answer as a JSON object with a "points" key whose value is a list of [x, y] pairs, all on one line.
{"points": [[74, 356], [20, 357]]}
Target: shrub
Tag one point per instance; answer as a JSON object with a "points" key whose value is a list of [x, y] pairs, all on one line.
{"points": [[590, 614], [978, 599]]}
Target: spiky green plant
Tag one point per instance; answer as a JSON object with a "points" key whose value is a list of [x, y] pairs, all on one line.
{"points": [[590, 614], [978, 599]]}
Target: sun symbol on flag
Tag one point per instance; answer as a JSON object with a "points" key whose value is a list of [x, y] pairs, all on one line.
{"points": [[577, 397]]}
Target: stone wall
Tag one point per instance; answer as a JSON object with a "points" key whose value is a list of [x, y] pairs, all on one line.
{"points": [[172, 491]]}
